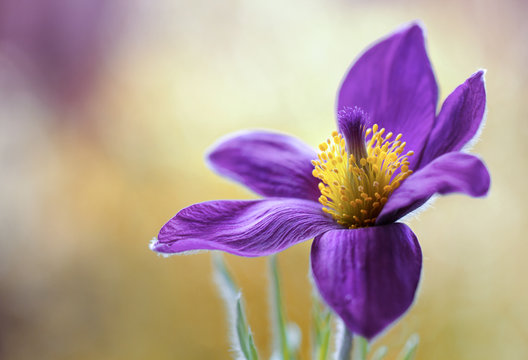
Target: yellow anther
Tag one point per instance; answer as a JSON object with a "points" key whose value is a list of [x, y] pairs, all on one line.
{"points": [[354, 191], [391, 157]]}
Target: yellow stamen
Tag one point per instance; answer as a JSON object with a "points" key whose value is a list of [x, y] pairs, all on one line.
{"points": [[354, 191]]}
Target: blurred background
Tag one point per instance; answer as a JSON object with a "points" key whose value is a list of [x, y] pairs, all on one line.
{"points": [[106, 111]]}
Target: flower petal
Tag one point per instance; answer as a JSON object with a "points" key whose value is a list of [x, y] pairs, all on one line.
{"points": [[394, 83], [270, 164], [459, 120], [368, 276], [246, 228], [451, 172]]}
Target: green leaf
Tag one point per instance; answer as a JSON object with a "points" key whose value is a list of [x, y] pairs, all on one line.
{"points": [[321, 329], [360, 348], [293, 334], [245, 337], [380, 353], [409, 350], [252, 347], [241, 337], [224, 281]]}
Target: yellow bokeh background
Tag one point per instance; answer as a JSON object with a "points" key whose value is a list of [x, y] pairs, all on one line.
{"points": [[84, 189]]}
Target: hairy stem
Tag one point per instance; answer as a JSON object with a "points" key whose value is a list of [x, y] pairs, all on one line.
{"points": [[345, 345]]}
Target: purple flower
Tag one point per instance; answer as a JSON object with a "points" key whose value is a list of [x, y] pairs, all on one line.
{"points": [[59, 46], [351, 194]]}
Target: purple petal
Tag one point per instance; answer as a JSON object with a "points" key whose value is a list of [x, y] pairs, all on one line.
{"points": [[459, 119], [368, 276], [451, 172], [394, 83], [270, 164], [246, 228]]}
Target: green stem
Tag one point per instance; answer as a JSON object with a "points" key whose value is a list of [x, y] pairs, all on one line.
{"points": [[280, 324], [360, 348], [323, 347], [345, 345]]}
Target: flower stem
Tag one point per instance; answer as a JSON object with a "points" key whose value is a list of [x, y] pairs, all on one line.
{"points": [[345, 345], [281, 337]]}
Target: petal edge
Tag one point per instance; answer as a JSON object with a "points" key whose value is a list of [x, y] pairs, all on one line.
{"points": [[243, 227], [459, 120], [394, 83], [368, 276], [271, 164], [449, 173]]}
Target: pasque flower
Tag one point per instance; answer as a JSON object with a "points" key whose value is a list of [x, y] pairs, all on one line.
{"points": [[390, 154]]}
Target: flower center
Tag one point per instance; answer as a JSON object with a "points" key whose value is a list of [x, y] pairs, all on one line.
{"points": [[358, 178]]}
